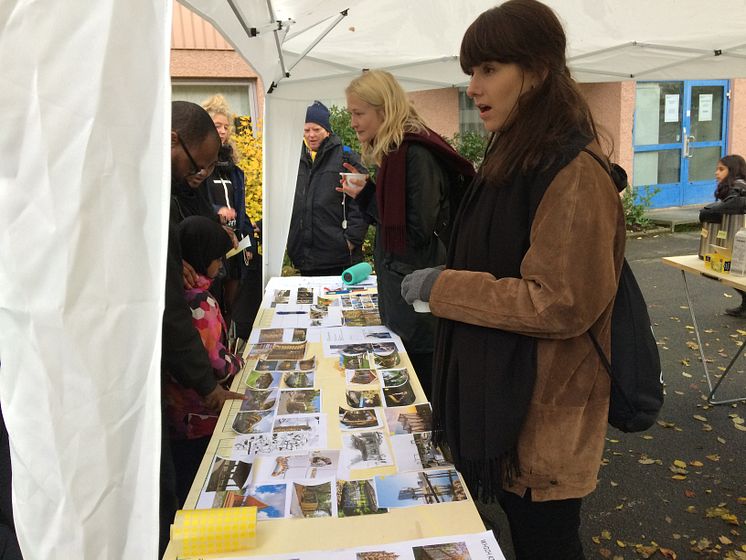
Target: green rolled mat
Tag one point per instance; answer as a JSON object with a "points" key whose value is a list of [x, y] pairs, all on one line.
{"points": [[356, 273]]}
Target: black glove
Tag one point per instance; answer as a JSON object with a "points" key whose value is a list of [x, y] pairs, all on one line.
{"points": [[419, 284]]}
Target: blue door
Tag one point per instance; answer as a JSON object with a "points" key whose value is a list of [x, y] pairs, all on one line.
{"points": [[679, 135]]}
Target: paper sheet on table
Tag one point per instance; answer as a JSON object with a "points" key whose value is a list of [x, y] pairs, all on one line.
{"points": [[245, 243]]}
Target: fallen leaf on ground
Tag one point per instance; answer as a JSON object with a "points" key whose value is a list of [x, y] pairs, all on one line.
{"points": [[699, 417]]}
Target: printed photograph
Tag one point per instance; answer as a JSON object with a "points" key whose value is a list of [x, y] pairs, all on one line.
{"points": [[399, 396], [263, 380], [299, 379], [299, 401], [363, 399], [271, 335], [357, 497], [253, 422], [452, 551], [415, 452], [366, 418], [361, 317], [419, 488], [312, 500], [270, 500], [394, 377], [281, 442], [259, 351], [304, 296], [386, 358], [361, 376], [281, 296], [365, 450], [377, 555], [316, 464], [287, 351], [259, 399], [227, 474], [409, 419], [354, 359]]}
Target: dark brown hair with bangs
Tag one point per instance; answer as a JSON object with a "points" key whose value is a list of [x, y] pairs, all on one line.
{"points": [[529, 34]]}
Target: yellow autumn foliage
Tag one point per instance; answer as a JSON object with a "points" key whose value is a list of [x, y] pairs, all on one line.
{"points": [[248, 141]]}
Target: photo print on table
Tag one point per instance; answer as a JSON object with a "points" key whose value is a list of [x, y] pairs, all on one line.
{"points": [[280, 335], [259, 399], [247, 446], [357, 497], [299, 401], [224, 474], [360, 318], [312, 425], [313, 465], [361, 376], [307, 364], [259, 351], [280, 297], [287, 351], [362, 419], [385, 355], [419, 488], [364, 399], [455, 551], [354, 356], [270, 500], [416, 452], [365, 450], [381, 555], [263, 380], [401, 395], [409, 419], [304, 296], [394, 377], [298, 379], [253, 422], [313, 499]]}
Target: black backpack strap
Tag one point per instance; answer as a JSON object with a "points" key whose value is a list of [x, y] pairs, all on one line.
{"points": [[615, 171]]}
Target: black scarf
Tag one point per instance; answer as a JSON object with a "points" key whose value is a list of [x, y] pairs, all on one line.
{"points": [[483, 378]]}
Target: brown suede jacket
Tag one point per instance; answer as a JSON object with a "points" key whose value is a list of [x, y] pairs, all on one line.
{"points": [[569, 281]]}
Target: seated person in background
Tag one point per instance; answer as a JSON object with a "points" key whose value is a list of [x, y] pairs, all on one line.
{"points": [[327, 228], [203, 243]]}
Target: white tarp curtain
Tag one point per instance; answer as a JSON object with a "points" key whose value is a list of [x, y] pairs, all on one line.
{"points": [[84, 190], [418, 41]]}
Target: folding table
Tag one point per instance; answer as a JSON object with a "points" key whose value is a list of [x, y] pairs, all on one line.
{"points": [[694, 265]]}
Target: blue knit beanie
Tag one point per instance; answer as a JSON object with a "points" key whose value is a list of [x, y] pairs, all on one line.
{"points": [[319, 114]]}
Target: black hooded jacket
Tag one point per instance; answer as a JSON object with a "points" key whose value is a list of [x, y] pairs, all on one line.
{"points": [[317, 238]]}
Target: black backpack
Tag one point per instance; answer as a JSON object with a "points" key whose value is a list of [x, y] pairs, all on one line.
{"points": [[635, 369]]}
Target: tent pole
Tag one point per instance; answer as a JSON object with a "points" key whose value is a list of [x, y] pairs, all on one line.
{"points": [[285, 73], [340, 17]]}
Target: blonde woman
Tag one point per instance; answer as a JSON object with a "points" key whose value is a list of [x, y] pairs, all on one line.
{"points": [[226, 191], [410, 201]]}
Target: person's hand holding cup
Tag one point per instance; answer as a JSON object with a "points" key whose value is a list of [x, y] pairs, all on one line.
{"points": [[352, 182]]}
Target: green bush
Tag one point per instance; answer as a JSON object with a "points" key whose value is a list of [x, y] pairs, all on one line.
{"points": [[470, 145], [635, 203]]}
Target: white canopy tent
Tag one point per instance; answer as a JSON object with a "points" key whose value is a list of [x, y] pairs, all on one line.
{"points": [[309, 49], [84, 190]]}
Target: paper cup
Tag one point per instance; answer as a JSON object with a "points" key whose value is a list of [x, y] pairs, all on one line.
{"points": [[354, 179]]}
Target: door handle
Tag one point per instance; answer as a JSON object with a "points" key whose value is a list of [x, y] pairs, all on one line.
{"points": [[687, 148]]}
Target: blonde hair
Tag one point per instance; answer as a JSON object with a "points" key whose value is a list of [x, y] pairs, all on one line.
{"points": [[380, 89], [217, 105]]}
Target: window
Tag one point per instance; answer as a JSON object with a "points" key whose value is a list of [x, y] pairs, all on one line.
{"points": [[241, 96]]}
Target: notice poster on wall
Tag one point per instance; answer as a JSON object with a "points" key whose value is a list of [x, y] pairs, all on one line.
{"points": [[705, 107], [671, 111]]}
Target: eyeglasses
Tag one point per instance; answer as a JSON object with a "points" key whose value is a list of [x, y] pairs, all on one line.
{"points": [[196, 169]]}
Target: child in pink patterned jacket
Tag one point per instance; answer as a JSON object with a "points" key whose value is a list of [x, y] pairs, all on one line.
{"points": [[190, 423]]}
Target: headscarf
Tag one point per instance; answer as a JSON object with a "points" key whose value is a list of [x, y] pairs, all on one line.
{"points": [[202, 241]]}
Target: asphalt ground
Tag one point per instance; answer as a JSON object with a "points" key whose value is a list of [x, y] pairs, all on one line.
{"points": [[677, 490]]}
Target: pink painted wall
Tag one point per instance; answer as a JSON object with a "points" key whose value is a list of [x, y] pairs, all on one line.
{"points": [[613, 106], [737, 120], [439, 109]]}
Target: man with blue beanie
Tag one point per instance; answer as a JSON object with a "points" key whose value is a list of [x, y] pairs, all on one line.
{"points": [[327, 228]]}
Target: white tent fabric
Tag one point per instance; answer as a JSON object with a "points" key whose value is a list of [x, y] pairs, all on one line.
{"points": [[324, 44], [84, 181], [84, 190]]}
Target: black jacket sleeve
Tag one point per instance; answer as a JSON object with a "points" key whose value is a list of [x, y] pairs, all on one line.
{"points": [[357, 224], [182, 353], [427, 187]]}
